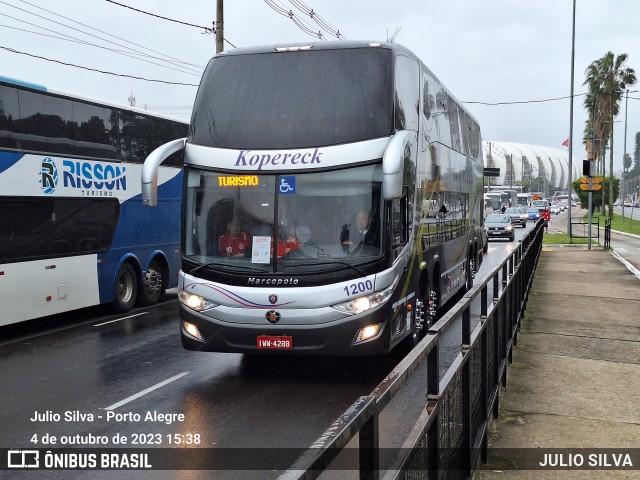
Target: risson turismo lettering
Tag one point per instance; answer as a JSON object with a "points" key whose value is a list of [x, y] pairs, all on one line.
{"points": [[93, 175], [260, 161]]}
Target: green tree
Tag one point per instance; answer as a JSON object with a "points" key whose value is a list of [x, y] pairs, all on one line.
{"points": [[597, 198], [606, 79], [636, 154]]}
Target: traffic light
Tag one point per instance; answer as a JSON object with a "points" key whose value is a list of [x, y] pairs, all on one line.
{"points": [[586, 168]]}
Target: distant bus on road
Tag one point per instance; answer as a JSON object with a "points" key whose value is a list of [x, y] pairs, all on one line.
{"points": [[73, 231], [502, 199], [540, 204], [524, 199]]}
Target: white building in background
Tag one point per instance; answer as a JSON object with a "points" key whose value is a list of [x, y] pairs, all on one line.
{"points": [[521, 163]]}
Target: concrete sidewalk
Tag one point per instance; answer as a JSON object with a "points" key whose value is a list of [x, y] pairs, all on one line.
{"points": [[575, 378]]}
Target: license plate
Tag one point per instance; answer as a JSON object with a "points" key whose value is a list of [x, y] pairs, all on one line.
{"points": [[274, 342]]}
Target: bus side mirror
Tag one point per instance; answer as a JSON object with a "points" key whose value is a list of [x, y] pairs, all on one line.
{"points": [[149, 177], [400, 146]]}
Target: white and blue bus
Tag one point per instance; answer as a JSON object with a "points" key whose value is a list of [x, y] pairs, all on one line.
{"points": [[73, 231], [290, 148]]}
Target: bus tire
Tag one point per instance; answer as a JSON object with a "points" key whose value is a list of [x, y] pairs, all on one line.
{"points": [[419, 321], [126, 288], [152, 284]]}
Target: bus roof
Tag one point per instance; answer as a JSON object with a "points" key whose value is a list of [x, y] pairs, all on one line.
{"points": [[43, 88], [314, 45]]}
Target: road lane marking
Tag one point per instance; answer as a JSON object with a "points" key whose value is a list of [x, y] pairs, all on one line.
{"points": [[145, 391], [631, 268], [119, 319]]}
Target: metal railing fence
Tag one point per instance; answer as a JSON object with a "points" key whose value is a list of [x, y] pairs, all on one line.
{"points": [[450, 435]]}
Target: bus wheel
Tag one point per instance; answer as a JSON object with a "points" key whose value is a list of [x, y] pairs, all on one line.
{"points": [[417, 325], [152, 285], [126, 288]]}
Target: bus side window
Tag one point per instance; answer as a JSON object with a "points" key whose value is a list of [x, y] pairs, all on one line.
{"points": [[399, 219]]}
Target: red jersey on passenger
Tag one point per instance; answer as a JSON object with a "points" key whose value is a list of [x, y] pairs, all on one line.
{"points": [[286, 246], [234, 242]]}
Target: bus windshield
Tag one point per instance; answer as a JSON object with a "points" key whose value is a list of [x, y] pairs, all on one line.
{"points": [[270, 100], [272, 222]]}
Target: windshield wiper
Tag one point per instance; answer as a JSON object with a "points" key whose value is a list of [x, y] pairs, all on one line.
{"points": [[311, 264], [226, 268]]}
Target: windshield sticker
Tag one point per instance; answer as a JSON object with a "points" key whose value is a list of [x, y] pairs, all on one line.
{"points": [[287, 185], [261, 249]]}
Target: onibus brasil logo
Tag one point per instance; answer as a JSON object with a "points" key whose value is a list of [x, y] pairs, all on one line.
{"points": [[92, 178]]}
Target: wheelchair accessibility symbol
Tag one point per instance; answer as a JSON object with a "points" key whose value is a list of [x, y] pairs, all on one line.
{"points": [[287, 185]]}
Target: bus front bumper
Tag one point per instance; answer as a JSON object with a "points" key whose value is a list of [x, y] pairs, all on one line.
{"points": [[333, 338]]}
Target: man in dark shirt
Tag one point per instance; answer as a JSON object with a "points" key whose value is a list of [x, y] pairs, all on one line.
{"points": [[353, 239]]}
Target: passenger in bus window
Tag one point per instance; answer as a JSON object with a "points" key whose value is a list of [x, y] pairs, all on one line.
{"points": [[235, 242], [363, 233], [286, 241]]}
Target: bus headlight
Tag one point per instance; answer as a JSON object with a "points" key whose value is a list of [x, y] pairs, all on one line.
{"points": [[367, 302], [195, 302], [192, 330], [367, 332]]}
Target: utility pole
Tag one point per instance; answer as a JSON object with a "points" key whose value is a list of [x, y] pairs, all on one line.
{"points": [[219, 27]]}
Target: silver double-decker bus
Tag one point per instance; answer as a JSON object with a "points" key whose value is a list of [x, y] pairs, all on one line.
{"points": [[332, 201]]}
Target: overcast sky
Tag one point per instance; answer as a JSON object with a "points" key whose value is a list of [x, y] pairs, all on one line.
{"points": [[483, 50]]}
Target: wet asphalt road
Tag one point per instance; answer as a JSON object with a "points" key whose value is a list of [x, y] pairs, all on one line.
{"points": [[114, 377]]}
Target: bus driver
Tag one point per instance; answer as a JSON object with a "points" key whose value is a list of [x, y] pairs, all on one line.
{"points": [[363, 233]]}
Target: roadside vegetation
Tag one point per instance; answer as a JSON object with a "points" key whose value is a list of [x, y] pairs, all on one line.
{"points": [[563, 239], [630, 224]]}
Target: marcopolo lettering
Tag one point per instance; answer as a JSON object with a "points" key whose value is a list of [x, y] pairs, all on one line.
{"points": [[91, 175], [266, 160], [272, 281]]}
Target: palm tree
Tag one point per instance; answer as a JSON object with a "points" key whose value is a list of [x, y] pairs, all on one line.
{"points": [[607, 79]]}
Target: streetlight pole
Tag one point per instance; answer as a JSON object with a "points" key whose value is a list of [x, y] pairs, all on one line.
{"points": [[590, 178], [624, 157], [573, 55]]}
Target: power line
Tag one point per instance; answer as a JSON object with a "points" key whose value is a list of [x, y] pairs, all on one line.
{"points": [[523, 101], [68, 38], [130, 53], [533, 101], [316, 18], [96, 70], [109, 34], [302, 25], [206, 29]]}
